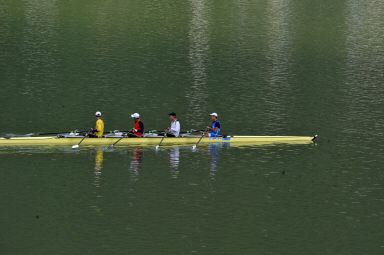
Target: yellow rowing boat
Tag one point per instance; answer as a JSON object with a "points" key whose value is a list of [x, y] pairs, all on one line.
{"points": [[149, 141]]}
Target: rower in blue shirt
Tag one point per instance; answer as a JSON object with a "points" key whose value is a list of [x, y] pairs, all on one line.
{"points": [[215, 128]]}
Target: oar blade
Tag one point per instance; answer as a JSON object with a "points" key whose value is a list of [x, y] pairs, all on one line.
{"points": [[162, 139], [202, 136], [75, 146]]}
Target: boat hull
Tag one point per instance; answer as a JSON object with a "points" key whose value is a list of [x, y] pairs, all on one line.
{"points": [[245, 140]]}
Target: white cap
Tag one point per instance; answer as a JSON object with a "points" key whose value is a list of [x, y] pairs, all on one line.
{"points": [[98, 114], [135, 115], [214, 114]]}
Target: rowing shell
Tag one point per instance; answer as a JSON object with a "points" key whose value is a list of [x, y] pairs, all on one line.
{"points": [[240, 140]]}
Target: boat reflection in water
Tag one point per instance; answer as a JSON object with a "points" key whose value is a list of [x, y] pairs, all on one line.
{"points": [[137, 159]]}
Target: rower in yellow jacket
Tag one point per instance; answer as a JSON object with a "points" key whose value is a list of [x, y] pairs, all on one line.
{"points": [[99, 128]]}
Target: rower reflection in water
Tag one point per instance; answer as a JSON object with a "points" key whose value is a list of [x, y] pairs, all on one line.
{"points": [[214, 152], [137, 159], [99, 158], [174, 159]]}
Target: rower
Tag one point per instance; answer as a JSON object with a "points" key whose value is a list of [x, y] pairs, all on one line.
{"points": [[138, 130], [174, 129], [99, 128], [215, 128]]}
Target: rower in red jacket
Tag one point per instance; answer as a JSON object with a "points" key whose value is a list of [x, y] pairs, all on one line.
{"points": [[138, 130]]}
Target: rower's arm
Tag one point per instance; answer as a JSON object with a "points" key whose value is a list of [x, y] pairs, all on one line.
{"points": [[217, 126], [213, 129]]}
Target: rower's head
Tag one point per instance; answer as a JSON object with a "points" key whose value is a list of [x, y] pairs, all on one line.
{"points": [[172, 116], [98, 115], [135, 116], [214, 116]]}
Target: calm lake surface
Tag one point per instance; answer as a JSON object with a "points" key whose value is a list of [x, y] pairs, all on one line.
{"points": [[268, 67]]}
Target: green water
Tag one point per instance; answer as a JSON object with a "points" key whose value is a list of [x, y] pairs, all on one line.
{"points": [[268, 67]]}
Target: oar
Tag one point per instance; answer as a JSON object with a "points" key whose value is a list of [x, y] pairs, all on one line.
{"points": [[77, 145], [56, 133], [117, 141], [157, 146], [194, 130], [50, 133], [182, 132], [191, 131], [194, 146]]}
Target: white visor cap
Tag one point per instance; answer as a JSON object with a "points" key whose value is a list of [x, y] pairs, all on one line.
{"points": [[135, 115], [98, 114], [214, 114]]}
